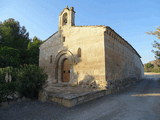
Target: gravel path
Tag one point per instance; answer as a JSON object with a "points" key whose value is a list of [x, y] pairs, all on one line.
{"points": [[141, 102]]}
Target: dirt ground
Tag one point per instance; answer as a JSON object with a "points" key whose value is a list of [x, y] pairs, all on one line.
{"points": [[140, 102]]}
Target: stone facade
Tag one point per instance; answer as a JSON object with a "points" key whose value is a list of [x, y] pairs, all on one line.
{"points": [[98, 57], [123, 64]]}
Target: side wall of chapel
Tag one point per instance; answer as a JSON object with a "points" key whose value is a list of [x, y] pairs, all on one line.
{"points": [[123, 64]]}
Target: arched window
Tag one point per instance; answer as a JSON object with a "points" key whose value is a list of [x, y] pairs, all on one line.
{"points": [[64, 20], [79, 52]]}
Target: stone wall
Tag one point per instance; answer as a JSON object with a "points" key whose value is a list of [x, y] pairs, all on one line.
{"points": [[123, 64], [87, 70], [98, 49], [47, 50], [90, 66]]}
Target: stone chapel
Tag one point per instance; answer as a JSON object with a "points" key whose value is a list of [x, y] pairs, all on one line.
{"points": [[93, 57]]}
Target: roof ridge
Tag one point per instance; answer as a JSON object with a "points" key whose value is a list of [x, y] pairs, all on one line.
{"points": [[91, 26]]}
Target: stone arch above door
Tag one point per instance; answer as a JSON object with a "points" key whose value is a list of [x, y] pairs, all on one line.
{"points": [[60, 57]]}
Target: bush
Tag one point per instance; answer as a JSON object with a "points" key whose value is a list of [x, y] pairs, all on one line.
{"points": [[156, 70], [8, 71], [2, 76], [151, 68], [30, 80], [6, 88], [149, 65], [26, 80]]}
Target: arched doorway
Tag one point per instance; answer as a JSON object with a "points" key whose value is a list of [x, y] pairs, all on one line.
{"points": [[65, 70], [60, 64]]}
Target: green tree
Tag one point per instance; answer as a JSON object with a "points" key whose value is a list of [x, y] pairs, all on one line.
{"points": [[13, 35], [9, 57], [156, 44], [33, 51]]}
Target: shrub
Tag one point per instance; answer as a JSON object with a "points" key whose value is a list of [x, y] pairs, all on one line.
{"points": [[26, 80], [2, 76], [156, 70], [6, 88], [30, 80], [10, 71], [149, 65]]}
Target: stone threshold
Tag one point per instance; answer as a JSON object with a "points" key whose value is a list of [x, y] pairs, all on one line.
{"points": [[70, 100], [70, 96]]}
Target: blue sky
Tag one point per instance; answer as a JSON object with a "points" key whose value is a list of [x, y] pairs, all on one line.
{"points": [[129, 18]]}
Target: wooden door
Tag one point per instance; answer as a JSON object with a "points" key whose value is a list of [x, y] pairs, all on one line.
{"points": [[65, 71]]}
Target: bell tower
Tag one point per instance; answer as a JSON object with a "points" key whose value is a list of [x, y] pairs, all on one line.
{"points": [[67, 17]]}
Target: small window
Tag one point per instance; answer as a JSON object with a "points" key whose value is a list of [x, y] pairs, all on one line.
{"points": [[51, 59], [68, 71], [64, 71], [79, 52], [63, 39]]}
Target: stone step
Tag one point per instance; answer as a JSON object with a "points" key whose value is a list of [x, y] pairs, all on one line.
{"points": [[70, 99]]}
